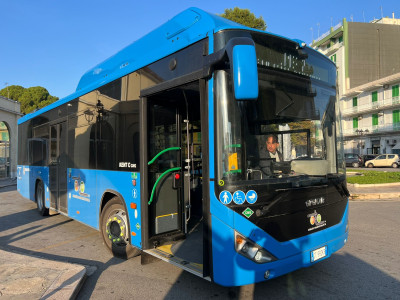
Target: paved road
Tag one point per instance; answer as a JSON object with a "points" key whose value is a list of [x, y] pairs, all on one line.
{"points": [[368, 267]]}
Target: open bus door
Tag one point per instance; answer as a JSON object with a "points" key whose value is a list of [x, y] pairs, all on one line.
{"points": [[172, 185], [165, 169]]}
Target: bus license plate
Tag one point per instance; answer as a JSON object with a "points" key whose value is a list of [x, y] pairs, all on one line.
{"points": [[318, 254]]}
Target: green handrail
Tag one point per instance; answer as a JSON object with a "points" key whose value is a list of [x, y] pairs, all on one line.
{"points": [[158, 180], [162, 152]]}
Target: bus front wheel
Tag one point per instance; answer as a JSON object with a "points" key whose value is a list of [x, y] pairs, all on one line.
{"points": [[41, 207], [115, 230]]}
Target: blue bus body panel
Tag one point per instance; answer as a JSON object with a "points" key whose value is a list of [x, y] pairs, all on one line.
{"points": [[84, 203], [233, 269], [127, 184], [85, 189], [26, 181]]}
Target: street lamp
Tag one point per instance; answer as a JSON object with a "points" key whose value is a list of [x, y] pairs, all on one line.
{"points": [[360, 133]]}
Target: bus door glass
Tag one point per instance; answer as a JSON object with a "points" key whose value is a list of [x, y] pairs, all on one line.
{"points": [[165, 167], [58, 167]]}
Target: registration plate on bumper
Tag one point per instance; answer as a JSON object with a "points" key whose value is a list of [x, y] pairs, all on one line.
{"points": [[318, 253]]}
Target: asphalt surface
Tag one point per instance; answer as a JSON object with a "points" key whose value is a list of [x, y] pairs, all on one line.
{"points": [[367, 267]]}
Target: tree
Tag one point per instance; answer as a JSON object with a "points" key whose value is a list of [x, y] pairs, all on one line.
{"points": [[12, 92], [244, 17], [30, 98]]}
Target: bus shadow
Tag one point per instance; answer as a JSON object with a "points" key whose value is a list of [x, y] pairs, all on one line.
{"points": [[342, 276], [11, 222]]}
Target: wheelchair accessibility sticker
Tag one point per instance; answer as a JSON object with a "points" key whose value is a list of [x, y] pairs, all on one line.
{"points": [[239, 197]]}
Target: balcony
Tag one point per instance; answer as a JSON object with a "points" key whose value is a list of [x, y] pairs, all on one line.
{"points": [[372, 107], [372, 130], [329, 51]]}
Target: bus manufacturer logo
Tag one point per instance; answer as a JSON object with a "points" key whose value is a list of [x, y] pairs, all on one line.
{"points": [[315, 201], [315, 220]]}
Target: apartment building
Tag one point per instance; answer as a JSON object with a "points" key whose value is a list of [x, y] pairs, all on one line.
{"points": [[367, 56], [371, 117]]}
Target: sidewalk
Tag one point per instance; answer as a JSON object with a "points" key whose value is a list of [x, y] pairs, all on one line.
{"points": [[388, 191], [29, 277], [25, 277]]}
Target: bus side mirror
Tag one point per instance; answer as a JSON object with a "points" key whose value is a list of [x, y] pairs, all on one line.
{"points": [[244, 69]]}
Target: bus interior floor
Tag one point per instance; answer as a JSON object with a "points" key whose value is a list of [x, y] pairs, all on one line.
{"points": [[189, 249]]}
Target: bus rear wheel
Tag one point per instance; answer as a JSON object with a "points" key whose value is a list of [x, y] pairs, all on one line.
{"points": [[43, 211], [115, 230]]}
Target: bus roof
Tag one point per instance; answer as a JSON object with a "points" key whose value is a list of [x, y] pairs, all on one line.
{"points": [[186, 28]]}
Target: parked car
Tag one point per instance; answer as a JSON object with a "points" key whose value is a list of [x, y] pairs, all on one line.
{"points": [[384, 160], [353, 160], [368, 157]]}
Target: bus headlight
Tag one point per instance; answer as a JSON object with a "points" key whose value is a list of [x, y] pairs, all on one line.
{"points": [[251, 250]]}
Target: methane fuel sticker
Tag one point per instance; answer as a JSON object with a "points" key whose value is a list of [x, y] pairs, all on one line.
{"points": [[248, 212]]}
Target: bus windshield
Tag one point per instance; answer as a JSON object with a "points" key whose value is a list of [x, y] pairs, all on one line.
{"points": [[290, 131]]}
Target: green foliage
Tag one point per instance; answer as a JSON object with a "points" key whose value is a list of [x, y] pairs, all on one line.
{"points": [[12, 92], [244, 17], [374, 177], [299, 139], [30, 98]]}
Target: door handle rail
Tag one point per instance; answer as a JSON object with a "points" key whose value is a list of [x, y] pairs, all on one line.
{"points": [[162, 152], [158, 180]]}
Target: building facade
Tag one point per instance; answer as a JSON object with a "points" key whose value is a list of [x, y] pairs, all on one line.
{"points": [[10, 112], [367, 56]]}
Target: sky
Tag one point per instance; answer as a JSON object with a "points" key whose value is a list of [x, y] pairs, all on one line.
{"points": [[52, 43]]}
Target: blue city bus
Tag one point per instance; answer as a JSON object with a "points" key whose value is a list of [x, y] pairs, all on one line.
{"points": [[163, 149]]}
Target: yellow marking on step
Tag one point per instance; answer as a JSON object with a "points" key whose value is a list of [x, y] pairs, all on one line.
{"points": [[166, 249], [168, 215]]}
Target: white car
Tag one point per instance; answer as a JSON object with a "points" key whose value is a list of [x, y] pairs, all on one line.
{"points": [[384, 160]]}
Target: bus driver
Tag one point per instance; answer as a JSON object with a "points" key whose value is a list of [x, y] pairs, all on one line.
{"points": [[272, 145]]}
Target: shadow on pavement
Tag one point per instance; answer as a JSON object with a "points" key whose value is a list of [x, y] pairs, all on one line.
{"points": [[343, 276], [23, 218]]}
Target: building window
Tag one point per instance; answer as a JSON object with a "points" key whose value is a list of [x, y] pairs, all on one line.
{"points": [[354, 101], [355, 123], [341, 39], [374, 119], [395, 91], [375, 96], [333, 58], [396, 120]]}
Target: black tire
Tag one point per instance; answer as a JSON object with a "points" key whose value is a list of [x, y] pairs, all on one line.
{"points": [[370, 165], [355, 165], [39, 196], [114, 228], [395, 165]]}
